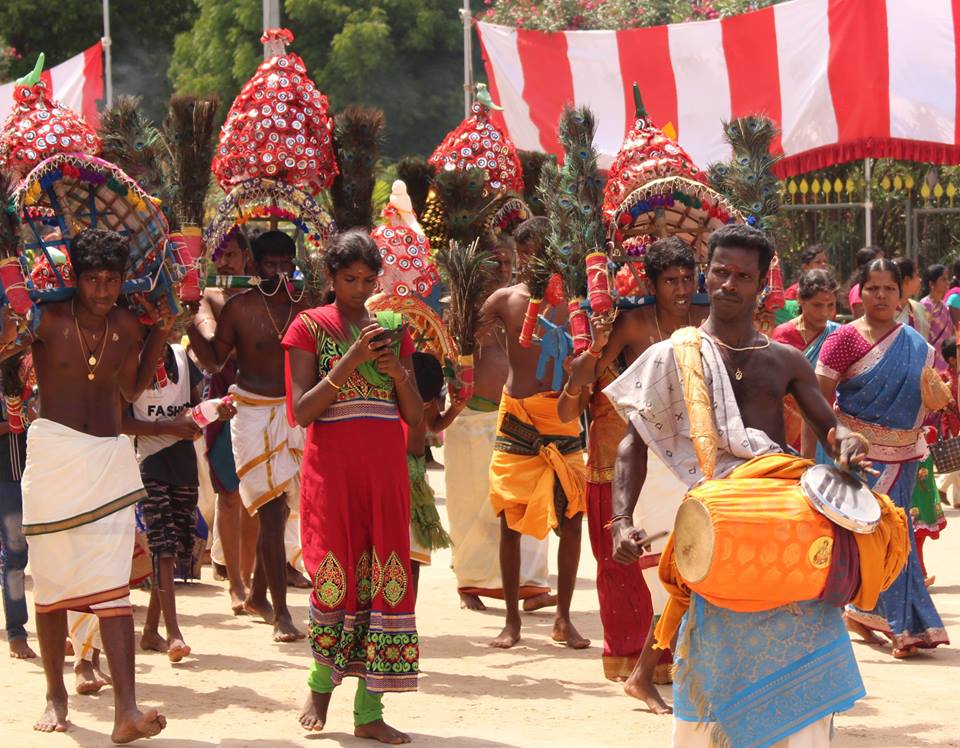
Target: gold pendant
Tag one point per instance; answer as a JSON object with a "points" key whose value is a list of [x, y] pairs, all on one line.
{"points": [[91, 376], [92, 361], [738, 375]]}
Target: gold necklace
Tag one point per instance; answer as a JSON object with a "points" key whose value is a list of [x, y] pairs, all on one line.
{"points": [[656, 321], [92, 362], [276, 329], [738, 374]]}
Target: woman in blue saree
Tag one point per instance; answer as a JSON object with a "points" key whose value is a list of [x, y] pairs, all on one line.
{"points": [[875, 367]]}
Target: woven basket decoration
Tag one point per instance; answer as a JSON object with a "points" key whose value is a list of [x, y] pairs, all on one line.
{"points": [[68, 193], [273, 204]]}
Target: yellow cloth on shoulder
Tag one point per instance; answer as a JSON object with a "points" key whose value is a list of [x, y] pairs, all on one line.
{"points": [[534, 449], [883, 553]]}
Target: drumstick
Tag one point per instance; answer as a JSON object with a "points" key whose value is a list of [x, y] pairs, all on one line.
{"points": [[649, 539]]}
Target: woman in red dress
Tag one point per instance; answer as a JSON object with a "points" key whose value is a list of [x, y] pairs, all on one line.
{"points": [[350, 382]]}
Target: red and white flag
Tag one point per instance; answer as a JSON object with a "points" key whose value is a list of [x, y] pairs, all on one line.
{"points": [[843, 79], [76, 83]]}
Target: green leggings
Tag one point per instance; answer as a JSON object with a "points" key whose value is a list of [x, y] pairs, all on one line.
{"points": [[367, 707]]}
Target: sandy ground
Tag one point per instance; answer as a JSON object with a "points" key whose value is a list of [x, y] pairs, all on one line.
{"points": [[241, 689]]}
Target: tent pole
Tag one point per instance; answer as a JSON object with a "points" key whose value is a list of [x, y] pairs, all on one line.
{"points": [[868, 202], [467, 58], [107, 56]]}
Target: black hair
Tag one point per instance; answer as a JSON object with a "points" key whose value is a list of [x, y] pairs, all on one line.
{"points": [[880, 265], [809, 253], [10, 382], [931, 275], [275, 243], [666, 253], [867, 254], [98, 249], [237, 235], [949, 349], [908, 268], [816, 281], [429, 375], [534, 229], [348, 247], [742, 236]]}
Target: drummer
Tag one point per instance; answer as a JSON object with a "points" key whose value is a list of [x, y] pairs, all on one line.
{"points": [[747, 376]]}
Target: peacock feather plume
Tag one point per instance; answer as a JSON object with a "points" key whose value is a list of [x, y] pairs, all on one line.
{"points": [[532, 163], [9, 220], [574, 199], [747, 180], [468, 272], [418, 175], [455, 207], [358, 137], [191, 133], [133, 142]]}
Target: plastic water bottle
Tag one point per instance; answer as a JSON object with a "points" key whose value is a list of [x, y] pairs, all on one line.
{"points": [[208, 411]]}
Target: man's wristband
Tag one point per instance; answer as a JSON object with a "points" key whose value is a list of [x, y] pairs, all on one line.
{"points": [[616, 518]]}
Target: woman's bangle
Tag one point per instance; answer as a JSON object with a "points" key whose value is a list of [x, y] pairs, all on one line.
{"points": [[333, 384], [861, 438], [406, 376], [594, 354]]}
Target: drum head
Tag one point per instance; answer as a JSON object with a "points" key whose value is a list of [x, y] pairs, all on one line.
{"points": [[841, 497], [693, 540]]}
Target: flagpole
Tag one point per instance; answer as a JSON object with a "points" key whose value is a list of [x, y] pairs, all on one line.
{"points": [[271, 20], [467, 58], [107, 57]]}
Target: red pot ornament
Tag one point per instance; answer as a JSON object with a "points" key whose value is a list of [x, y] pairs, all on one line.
{"points": [[477, 143], [529, 326], [579, 327], [598, 283], [39, 127], [465, 389], [555, 295], [278, 126], [188, 245], [773, 297]]}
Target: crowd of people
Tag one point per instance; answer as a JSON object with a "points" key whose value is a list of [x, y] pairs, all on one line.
{"points": [[297, 395]]}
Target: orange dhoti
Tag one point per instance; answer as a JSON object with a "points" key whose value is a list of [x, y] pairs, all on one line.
{"points": [[537, 474]]}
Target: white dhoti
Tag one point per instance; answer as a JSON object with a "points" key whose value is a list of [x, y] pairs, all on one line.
{"points": [[474, 528], [84, 632], [655, 512], [266, 448], [78, 497], [694, 735]]}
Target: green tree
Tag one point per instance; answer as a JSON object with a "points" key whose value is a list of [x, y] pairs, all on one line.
{"points": [[142, 33], [404, 56]]}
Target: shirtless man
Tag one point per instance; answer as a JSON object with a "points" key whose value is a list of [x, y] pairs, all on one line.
{"points": [[468, 447], [525, 394], [760, 373], [236, 529], [251, 325], [669, 263], [86, 354]]}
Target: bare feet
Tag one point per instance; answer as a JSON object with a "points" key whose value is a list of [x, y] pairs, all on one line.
{"points": [[508, 637], [929, 581], [296, 579], [648, 694], [565, 633], [863, 632], [285, 631], [68, 649], [20, 650], [663, 674], [314, 714], [89, 679], [54, 717], [380, 730], [219, 572], [260, 608], [543, 600], [471, 602], [905, 653], [136, 725], [238, 596], [177, 649], [152, 641]]}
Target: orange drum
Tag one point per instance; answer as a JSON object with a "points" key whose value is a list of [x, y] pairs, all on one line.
{"points": [[752, 544]]}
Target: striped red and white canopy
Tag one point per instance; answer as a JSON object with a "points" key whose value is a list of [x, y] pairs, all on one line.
{"points": [[843, 79], [76, 83]]}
